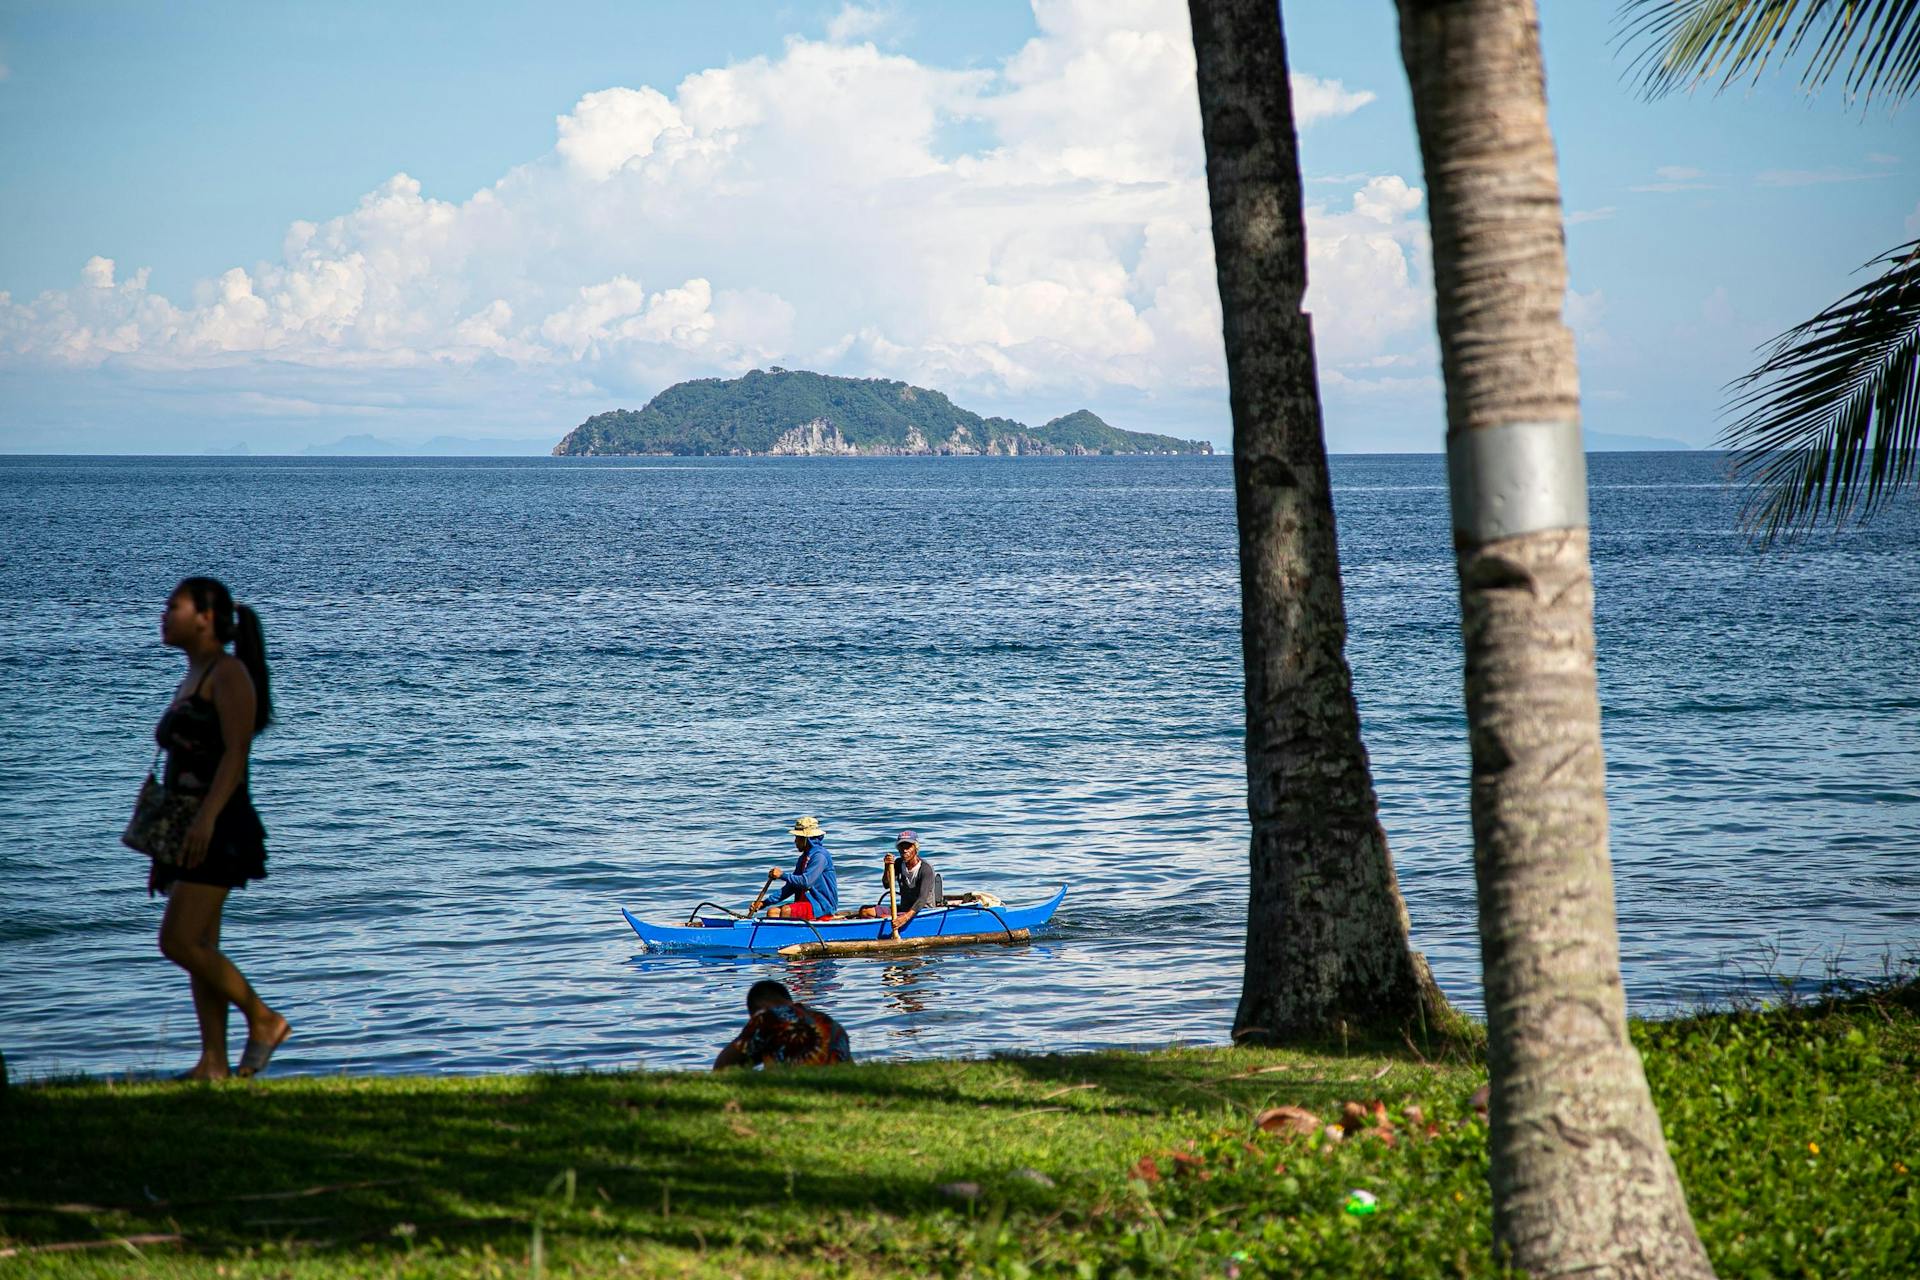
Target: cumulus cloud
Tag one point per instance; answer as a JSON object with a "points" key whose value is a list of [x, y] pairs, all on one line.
{"points": [[1386, 199], [1315, 99], [806, 209], [1367, 267], [857, 22]]}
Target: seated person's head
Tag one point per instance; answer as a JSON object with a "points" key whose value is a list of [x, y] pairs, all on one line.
{"points": [[765, 994]]}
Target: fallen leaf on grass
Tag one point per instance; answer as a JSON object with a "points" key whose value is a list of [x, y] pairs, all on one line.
{"points": [[1353, 1117], [1189, 1164], [1145, 1170], [742, 1130], [1382, 1071], [1287, 1120], [731, 1104], [1414, 1116]]}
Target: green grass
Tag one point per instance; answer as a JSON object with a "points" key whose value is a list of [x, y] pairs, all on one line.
{"points": [[839, 1172]]}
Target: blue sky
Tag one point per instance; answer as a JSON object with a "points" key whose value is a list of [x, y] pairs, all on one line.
{"points": [[280, 225]]}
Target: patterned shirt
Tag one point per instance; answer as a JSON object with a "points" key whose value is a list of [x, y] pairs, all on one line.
{"points": [[793, 1034]]}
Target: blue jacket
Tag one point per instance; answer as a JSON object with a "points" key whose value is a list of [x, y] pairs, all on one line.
{"points": [[813, 876]]}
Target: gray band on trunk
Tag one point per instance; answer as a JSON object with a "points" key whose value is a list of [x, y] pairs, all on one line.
{"points": [[1520, 477]]}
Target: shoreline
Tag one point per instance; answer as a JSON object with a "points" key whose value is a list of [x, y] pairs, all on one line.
{"points": [[1796, 1131]]}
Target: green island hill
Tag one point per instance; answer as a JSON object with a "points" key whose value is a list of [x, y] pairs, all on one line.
{"points": [[792, 413], [1796, 1132]]}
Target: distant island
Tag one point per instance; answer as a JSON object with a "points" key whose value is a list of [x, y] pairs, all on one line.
{"points": [[793, 413]]}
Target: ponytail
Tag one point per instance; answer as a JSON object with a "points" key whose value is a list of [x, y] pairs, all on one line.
{"points": [[251, 648], [241, 625]]}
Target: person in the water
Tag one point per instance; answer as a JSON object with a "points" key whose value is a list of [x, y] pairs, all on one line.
{"points": [[812, 885]]}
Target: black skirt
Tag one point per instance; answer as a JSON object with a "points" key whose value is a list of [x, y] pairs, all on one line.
{"points": [[236, 854]]}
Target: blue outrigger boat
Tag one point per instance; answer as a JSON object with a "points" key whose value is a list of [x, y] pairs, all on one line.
{"points": [[957, 924]]}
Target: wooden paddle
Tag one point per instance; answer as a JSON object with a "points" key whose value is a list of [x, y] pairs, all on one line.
{"points": [[893, 903], [760, 898]]}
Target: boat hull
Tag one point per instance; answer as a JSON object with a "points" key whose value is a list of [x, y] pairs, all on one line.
{"points": [[943, 926]]}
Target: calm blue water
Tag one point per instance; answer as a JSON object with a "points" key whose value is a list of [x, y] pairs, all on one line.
{"points": [[517, 694]]}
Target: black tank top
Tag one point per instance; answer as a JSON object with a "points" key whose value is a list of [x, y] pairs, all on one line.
{"points": [[190, 734]]}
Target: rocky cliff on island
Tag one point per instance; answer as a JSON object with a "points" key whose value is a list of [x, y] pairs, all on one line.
{"points": [[793, 413]]}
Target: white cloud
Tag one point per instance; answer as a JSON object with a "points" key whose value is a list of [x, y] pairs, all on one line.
{"points": [[608, 129], [1386, 199], [1315, 99], [796, 209], [855, 22], [1881, 157], [1368, 270], [1578, 216]]}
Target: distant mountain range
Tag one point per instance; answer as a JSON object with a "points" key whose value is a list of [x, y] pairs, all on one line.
{"points": [[364, 446], [790, 412]]}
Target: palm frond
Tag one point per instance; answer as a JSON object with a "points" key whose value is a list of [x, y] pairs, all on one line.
{"points": [[1872, 45], [1828, 426]]}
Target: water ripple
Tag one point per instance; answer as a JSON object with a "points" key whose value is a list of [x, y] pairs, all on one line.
{"points": [[517, 695]]}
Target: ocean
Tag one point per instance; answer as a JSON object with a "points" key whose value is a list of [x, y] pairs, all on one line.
{"points": [[516, 695]]}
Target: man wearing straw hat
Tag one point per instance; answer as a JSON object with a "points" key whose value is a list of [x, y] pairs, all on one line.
{"points": [[811, 884]]}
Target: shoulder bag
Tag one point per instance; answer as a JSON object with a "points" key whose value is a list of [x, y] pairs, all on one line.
{"points": [[160, 819]]}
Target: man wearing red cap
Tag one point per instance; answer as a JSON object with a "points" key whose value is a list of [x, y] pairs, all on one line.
{"points": [[915, 885]]}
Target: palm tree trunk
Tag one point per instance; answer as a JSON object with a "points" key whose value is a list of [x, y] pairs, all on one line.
{"points": [[1326, 928], [1582, 1181]]}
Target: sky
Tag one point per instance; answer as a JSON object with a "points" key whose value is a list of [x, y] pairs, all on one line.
{"points": [[230, 226]]}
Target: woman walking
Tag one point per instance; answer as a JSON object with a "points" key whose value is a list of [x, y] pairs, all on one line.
{"points": [[207, 731]]}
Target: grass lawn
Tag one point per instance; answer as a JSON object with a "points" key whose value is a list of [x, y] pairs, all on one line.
{"points": [[1797, 1133]]}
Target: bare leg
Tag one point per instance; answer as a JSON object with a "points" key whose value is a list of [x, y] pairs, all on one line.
{"points": [[210, 1007], [189, 936]]}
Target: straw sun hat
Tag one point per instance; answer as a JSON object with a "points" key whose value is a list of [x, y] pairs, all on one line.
{"points": [[807, 826]]}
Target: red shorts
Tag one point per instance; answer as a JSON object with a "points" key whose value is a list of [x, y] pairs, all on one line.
{"points": [[799, 910]]}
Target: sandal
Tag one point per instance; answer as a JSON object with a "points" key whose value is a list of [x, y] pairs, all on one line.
{"points": [[254, 1058]]}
